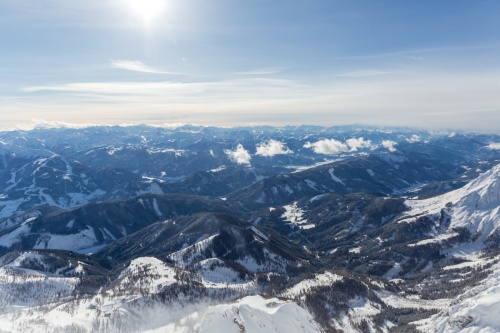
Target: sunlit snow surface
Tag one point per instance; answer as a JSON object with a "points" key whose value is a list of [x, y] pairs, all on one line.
{"points": [[249, 314], [475, 311], [303, 286], [475, 207], [124, 300], [294, 215]]}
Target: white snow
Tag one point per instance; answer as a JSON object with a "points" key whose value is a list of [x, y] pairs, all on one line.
{"points": [[222, 167], [156, 208], [215, 274], [70, 223], [311, 184], [324, 279], [191, 253], [318, 197], [391, 273], [307, 167], [288, 189], [259, 233], [476, 206], [436, 239], [158, 275], [355, 250], [359, 309], [13, 237], [473, 263], [392, 158], [20, 287], [294, 215], [249, 314], [335, 178], [73, 242], [475, 311], [402, 301]]}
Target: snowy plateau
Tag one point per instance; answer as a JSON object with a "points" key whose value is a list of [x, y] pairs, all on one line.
{"points": [[204, 229]]}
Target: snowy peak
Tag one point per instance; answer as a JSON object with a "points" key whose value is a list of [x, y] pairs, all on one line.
{"points": [[474, 207], [484, 191]]}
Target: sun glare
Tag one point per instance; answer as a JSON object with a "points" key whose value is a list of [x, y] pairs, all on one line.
{"points": [[148, 10]]}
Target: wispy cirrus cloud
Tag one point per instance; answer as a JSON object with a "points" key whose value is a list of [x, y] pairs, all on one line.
{"points": [[365, 73], [138, 66], [256, 87], [428, 100], [262, 71]]}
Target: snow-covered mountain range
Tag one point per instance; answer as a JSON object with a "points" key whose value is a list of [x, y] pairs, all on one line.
{"points": [[257, 229]]}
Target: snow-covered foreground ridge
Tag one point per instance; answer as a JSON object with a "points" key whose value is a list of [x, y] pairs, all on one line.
{"points": [[132, 303], [475, 207], [249, 314], [475, 311]]}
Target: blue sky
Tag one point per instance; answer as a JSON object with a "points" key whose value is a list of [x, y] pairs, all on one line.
{"points": [[432, 64]]}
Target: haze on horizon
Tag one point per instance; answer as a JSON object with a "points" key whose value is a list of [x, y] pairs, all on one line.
{"points": [[430, 64]]}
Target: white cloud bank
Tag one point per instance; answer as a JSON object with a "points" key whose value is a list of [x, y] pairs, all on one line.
{"points": [[271, 148], [333, 147], [414, 138], [389, 144], [440, 100], [354, 143], [494, 145], [240, 155], [327, 146]]}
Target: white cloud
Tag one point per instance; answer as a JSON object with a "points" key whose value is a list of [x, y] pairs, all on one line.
{"points": [[136, 66], [271, 148], [354, 143], [414, 138], [440, 100], [332, 146], [389, 144], [365, 73], [327, 146], [261, 71], [240, 155], [494, 145]]}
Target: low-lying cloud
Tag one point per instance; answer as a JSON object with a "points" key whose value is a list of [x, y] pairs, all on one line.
{"points": [[414, 138], [359, 143], [271, 148], [494, 145], [333, 147], [389, 144], [240, 155], [327, 147]]}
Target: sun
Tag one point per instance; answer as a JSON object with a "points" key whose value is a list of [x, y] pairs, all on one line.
{"points": [[148, 10]]}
